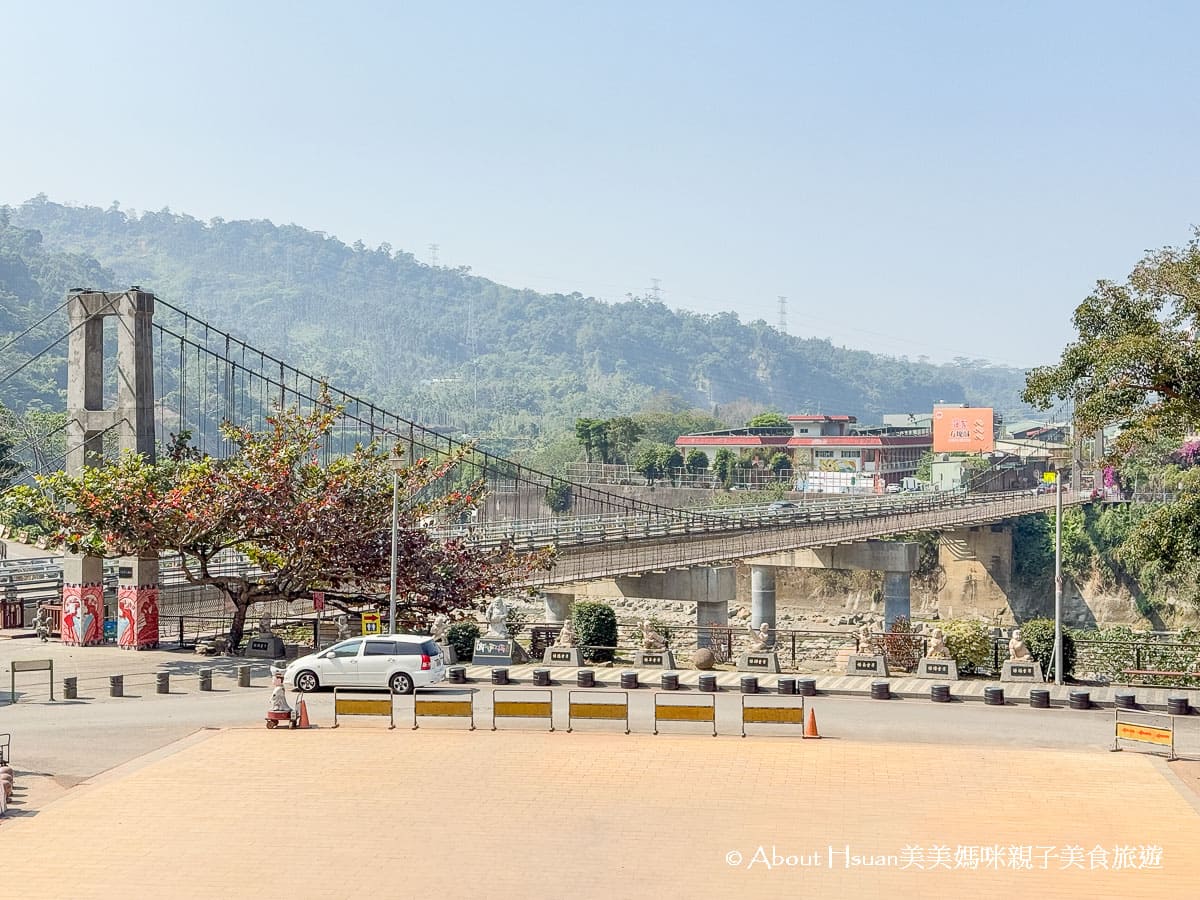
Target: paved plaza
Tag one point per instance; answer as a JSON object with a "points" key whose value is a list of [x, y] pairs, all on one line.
{"points": [[244, 812]]}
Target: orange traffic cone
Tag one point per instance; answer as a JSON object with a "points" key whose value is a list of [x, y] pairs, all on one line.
{"points": [[304, 723], [810, 727]]}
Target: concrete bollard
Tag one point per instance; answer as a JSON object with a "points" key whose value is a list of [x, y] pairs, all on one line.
{"points": [[206, 679], [807, 687], [629, 680], [500, 676], [586, 678], [708, 683], [787, 686], [993, 696], [458, 674], [541, 677], [1080, 700], [1178, 706], [163, 685], [116, 685], [940, 693], [670, 681], [1125, 701], [881, 690], [1039, 698], [749, 684], [243, 675], [70, 688]]}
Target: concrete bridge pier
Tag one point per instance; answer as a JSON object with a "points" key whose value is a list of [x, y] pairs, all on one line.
{"points": [[711, 588], [897, 597], [762, 595], [558, 606], [896, 559]]}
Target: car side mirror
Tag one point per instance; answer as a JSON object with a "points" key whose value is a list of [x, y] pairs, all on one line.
{"points": [[328, 654]]}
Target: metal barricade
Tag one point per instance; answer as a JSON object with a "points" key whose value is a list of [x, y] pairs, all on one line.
{"points": [[362, 706], [772, 709], [1160, 731], [522, 705], [671, 707], [30, 665], [452, 707], [597, 705]]}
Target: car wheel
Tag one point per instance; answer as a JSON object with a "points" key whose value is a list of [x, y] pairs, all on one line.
{"points": [[307, 681], [401, 683]]}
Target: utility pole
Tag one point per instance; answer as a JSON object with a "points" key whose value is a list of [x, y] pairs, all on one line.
{"points": [[1058, 583]]}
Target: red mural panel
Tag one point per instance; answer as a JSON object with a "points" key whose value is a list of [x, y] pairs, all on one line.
{"points": [[137, 617], [83, 614]]}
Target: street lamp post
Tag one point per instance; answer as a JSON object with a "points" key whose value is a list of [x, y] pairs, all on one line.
{"points": [[1058, 513], [395, 461]]}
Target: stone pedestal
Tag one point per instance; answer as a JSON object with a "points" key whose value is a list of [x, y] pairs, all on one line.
{"points": [[449, 655], [946, 669], [265, 646], [1021, 670], [654, 659], [562, 656], [495, 652], [766, 661], [867, 665]]}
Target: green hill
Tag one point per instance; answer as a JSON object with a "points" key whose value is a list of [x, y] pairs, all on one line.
{"points": [[445, 347]]}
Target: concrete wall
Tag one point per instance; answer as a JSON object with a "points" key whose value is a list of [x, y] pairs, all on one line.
{"points": [[977, 563]]}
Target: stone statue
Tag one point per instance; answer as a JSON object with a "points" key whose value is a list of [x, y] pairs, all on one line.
{"points": [[1017, 651], [497, 616], [760, 639], [866, 640], [264, 625], [343, 626], [42, 624], [651, 639], [937, 645], [566, 637], [279, 696], [439, 626]]}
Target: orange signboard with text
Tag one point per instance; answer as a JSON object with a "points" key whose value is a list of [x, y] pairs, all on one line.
{"points": [[963, 429]]}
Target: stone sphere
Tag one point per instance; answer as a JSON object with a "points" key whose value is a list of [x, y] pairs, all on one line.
{"points": [[703, 659]]}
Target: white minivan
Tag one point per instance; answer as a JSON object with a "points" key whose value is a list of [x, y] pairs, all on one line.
{"points": [[395, 662]]}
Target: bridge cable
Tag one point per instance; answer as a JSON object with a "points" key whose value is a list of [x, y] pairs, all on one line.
{"points": [[52, 312]]}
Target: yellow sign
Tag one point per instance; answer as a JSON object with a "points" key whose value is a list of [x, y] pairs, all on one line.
{"points": [[1049, 477], [371, 623], [357, 707], [1147, 734]]}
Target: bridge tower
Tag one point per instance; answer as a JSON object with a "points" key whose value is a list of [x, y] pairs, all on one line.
{"points": [[131, 418]]}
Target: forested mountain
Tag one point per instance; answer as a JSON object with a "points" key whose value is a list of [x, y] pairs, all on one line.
{"points": [[444, 346]]}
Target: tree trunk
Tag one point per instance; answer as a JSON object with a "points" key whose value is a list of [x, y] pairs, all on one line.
{"points": [[237, 628]]}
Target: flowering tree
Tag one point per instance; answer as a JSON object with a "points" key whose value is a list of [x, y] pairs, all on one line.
{"points": [[304, 525]]}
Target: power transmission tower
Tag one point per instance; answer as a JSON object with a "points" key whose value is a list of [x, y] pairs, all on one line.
{"points": [[655, 289], [783, 313], [433, 250]]}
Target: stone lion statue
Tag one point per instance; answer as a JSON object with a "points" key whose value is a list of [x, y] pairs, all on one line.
{"points": [[651, 639], [866, 640], [937, 645], [264, 624], [439, 626], [566, 637], [1017, 651], [760, 638], [343, 626]]}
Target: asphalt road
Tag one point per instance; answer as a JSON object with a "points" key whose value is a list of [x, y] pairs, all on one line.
{"points": [[75, 740]]}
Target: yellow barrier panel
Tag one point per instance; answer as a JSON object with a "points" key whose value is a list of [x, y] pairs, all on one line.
{"points": [[456, 708], [523, 706], [362, 706], [685, 709], [604, 708], [1161, 734], [780, 710]]}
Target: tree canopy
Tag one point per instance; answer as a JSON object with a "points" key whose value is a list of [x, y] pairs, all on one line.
{"points": [[305, 525], [1136, 364]]}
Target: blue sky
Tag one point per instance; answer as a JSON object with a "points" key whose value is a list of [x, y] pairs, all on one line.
{"points": [[937, 179]]}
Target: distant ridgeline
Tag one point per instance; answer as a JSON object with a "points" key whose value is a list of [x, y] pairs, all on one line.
{"points": [[437, 344]]}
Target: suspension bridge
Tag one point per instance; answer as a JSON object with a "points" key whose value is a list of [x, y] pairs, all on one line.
{"points": [[176, 373]]}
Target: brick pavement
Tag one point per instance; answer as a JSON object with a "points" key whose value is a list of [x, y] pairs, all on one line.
{"points": [[449, 813]]}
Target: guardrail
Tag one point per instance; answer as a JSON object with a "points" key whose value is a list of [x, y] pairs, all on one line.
{"points": [[456, 708], [362, 706], [676, 708], [1159, 733], [593, 705], [521, 708]]}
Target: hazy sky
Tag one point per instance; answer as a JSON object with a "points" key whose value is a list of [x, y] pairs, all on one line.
{"points": [[940, 179]]}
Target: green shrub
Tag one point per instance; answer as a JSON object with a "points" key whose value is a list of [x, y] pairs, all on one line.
{"points": [[595, 629], [1038, 635], [461, 636], [558, 496], [969, 642]]}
